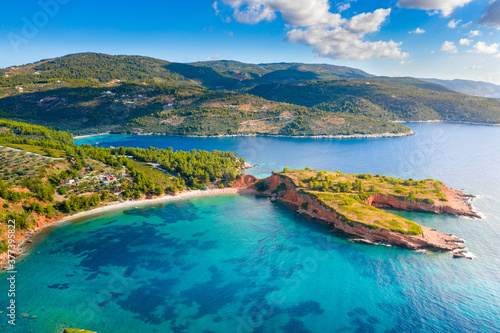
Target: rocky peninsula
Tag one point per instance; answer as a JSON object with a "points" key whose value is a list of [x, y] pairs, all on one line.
{"points": [[351, 203]]}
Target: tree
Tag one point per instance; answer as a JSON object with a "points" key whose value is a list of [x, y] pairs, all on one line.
{"points": [[358, 185]]}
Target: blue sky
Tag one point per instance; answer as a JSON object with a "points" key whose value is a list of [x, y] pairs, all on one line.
{"points": [[455, 38]]}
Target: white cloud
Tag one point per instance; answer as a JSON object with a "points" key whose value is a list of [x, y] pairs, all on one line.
{"points": [[465, 41], [344, 6], [417, 31], [475, 33], [468, 24], [297, 13], [453, 23], [491, 16], [446, 7], [368, 22], [328, 33], [449, 47], [482, 47], [340, 43], [473, 67], [214, 6]]}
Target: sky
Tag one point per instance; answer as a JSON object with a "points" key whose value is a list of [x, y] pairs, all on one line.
{"points": [[445, 39]]}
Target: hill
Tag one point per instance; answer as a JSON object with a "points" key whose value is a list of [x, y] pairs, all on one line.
{"points": [[86, 93], [394, 99], [91, 92], [473, 88]]}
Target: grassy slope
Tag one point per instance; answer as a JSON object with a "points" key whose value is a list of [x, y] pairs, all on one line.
{"points": [[335, 190]]}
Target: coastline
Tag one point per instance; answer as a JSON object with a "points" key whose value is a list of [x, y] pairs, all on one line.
{"points": [[340, 136], [119, 206], [442, 121], [89, 135]]}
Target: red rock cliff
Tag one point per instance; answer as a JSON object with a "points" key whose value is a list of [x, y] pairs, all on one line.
{"points": [[429, 239]]}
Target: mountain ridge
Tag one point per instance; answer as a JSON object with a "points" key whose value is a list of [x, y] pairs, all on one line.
{"points": [[88, 92]]}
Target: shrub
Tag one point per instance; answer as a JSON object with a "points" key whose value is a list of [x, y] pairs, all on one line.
{"points": [[262, 185], [305, 205]]}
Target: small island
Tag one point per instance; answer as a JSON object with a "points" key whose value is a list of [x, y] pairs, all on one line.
{"points": [[352, 203]]}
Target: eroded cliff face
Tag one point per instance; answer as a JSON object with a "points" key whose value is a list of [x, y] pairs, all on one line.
{"points": [[458, 203], [430, 239]]}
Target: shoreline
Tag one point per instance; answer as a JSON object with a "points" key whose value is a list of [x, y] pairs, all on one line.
{"points": [[90, 135], [339, 136], [119, 206], [442, 121]]}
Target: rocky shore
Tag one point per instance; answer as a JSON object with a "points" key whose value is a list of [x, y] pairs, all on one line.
{"points": [[458, 204]]}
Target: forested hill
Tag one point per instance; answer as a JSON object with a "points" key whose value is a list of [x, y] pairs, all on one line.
{"points": [[473, 88], [394, 99], [91, 92]]}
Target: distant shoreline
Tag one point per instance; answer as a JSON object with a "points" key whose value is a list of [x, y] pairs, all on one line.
{"points": [[89, 135], [123, 205], [340, 136], [442, 121]]}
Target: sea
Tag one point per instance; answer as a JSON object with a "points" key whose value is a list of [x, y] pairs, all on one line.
{"points": [[240, 263]]}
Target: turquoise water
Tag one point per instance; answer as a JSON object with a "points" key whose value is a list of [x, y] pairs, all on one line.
{"points": [[239, 263]]}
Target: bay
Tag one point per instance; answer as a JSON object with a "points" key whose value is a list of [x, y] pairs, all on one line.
{"points": [[239, 263]]}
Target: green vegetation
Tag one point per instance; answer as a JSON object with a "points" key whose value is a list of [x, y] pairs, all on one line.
{"points": [[88, 92], [387, 99], [35, 187], [346, 194]]}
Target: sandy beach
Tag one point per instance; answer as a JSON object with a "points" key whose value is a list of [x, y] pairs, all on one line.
{"points": [[124, 205], [89, 135], [134, 203]]}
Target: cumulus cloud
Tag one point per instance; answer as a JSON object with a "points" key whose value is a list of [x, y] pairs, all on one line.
{"points": [[328, 33], [297, 12], [446, 7], [340, 43], [417, 31], [449, 47], [465, 41], [368, 22], [491, 16], [475, 33], [343, 7], [454, 23], [482, 47]]}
